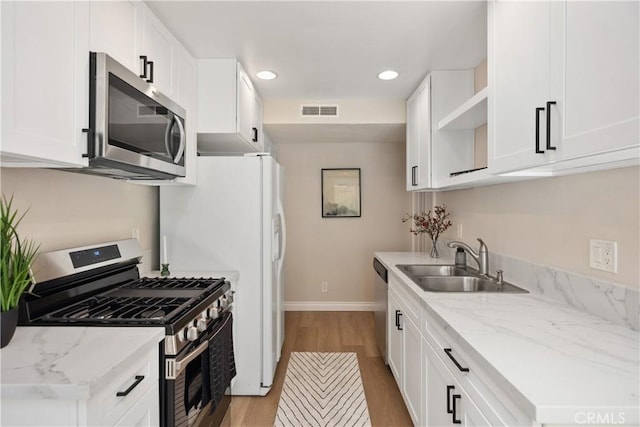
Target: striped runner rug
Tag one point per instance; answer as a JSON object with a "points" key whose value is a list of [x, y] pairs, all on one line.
{"points": [[322, 390]]}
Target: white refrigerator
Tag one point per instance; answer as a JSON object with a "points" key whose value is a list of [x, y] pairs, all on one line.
{"points": [[233, 219]]}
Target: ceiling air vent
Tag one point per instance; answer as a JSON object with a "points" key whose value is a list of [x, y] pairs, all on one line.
{"points": [[320, 110]]}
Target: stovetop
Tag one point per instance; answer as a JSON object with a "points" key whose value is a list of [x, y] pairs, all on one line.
{"points": [[155, 301]]}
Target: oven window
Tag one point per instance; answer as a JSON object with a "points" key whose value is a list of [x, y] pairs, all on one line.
{"points": [[192, 393], [140, 124]]}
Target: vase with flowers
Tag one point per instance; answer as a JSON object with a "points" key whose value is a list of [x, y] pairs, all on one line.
{"points": [[433, 223]]}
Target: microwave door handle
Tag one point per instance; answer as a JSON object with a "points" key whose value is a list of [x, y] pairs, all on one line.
{"points": [[183, 138], [167, 136]]}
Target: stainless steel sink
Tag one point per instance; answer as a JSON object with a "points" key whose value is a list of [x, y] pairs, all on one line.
{"points": [[449, 278], [464, 284], [432, 270]]}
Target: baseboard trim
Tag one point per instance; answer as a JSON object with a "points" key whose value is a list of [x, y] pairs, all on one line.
{"points": [[329, 306]]}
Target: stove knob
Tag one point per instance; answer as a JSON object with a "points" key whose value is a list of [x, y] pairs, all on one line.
{"points": [[192, 333], [201, 325], [230, 296], [213, 312], [181, 335], [224, 302]]}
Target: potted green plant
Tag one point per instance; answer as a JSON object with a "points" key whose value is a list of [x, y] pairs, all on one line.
{"points": [[15, 267]]}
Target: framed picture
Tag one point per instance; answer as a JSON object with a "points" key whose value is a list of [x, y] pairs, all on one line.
{"points": [[340, 193]]}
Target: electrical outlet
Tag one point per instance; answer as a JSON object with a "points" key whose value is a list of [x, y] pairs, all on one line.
{"points": [[324, 287], [459, 231], [603, 255], [135, 234]]}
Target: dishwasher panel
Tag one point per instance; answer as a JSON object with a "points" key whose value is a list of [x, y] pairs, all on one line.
{"points": [[380, 313]]}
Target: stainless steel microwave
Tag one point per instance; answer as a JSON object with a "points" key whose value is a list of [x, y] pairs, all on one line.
{"points": [[135, 132]]}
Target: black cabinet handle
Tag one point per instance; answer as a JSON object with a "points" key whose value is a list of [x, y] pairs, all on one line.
{"points": [[150, 79], [549, 104], [538, 150], [448, 351], [449, 389], [90, 139], [143, 65], [138, 380], [453, 415], [398, 324], [414, 173], [255, 134]]}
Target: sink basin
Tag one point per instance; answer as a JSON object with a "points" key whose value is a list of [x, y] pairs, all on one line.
{"points": [[464, 284], [432, 270], [449, 278]]}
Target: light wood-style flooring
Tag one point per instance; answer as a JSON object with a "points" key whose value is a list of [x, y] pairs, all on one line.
{"points": [[329, 331]]}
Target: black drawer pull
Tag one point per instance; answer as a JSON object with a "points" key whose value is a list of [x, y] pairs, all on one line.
{"points": [[414, 176], [138, 380], [448, 351], [398, 314], [255, 134], [549, 104], [453, 415], [449, 390], [538, 111]]}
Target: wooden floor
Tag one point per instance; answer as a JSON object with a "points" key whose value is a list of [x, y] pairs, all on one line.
{"points": [[329, 331]]}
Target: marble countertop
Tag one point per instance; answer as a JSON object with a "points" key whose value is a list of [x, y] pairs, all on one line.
{"points": [[556, 362], [69, 362]]}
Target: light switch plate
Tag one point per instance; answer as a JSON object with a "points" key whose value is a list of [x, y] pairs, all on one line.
{"points": [[603, 255]]}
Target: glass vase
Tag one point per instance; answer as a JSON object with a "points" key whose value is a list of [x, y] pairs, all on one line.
{"points": [[434, 247]]}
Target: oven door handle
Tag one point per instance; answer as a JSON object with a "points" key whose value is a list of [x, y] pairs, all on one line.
{"points": [[174, 367]]}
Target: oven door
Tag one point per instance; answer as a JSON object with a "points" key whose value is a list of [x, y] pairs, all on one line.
{"points": [[191, 380], [186, 386]]}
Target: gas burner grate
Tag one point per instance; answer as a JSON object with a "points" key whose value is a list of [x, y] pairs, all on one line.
{"points": [[120, 309], [174, 283]]}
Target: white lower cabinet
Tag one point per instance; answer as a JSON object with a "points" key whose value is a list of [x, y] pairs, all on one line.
{"points": [[447, 404], [129, 398], [404, 349], [441, 385]]}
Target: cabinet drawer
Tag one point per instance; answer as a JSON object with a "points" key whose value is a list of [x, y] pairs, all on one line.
{"points": [[106, 407], [496, 404]]}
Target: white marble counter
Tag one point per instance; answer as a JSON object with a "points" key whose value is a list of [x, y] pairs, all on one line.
{"points": [[69, 362], [559, 364]]}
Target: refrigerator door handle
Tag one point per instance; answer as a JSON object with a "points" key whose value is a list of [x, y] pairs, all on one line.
{"points": [[276, 239], [283, 234]]}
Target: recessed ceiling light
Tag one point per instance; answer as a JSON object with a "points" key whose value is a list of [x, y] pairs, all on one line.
{"points": [[266, 75], [388, 75]]}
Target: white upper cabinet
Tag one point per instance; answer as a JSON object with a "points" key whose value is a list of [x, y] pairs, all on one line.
{"points": [[595, 77], [518, 73], [565, 80], [419, 137], [45, 83], [227, 110], [116, 29], [186, 96], [158, 45]]}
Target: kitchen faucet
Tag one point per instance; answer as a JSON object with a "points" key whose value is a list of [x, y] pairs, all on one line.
{"points": [[481, 257]]}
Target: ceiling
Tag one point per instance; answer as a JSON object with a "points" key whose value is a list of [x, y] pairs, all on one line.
{"points": [[333, 49]]}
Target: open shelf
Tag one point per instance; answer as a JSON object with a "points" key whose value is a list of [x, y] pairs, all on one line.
{"points": [[470, 115]]}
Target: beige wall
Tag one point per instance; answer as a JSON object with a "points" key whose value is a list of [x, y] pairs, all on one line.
{"points": [[550, 221], [340, 250], [69, 209]]}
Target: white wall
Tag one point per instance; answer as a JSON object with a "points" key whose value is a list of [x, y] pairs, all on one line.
{"points": [[550, 221], [340, 250], [69, 209]]}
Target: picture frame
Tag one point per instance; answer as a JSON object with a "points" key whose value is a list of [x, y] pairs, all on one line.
{"points": [[341, 193]]}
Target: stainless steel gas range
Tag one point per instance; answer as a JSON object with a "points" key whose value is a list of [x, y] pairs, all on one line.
{"points": [[100, 285]]}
